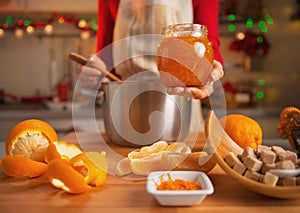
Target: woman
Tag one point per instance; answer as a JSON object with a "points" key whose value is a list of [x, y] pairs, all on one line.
{"points": [[121, 19]]}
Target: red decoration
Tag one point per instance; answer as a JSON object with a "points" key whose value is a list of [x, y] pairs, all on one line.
{"points": [[39, 24], [61, 20], [228, 87], [252, 44], [20, 23]]}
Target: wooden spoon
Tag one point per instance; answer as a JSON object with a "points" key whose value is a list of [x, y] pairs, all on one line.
{"points": [[95, 64], [223, 144]]}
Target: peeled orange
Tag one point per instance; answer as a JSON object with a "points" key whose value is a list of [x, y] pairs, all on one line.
{"points": [[245, 131], [30, 138]]}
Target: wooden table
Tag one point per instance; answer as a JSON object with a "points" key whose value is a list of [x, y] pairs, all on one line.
{"points": [[120, 195]]}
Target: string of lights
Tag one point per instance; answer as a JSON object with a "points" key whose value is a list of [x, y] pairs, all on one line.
{"points": [[20, 26], [250, 23]]}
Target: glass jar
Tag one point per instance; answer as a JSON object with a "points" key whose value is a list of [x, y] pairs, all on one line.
{"points": [[185, 55]]}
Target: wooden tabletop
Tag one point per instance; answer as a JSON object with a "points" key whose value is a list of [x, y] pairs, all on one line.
{"points": [[123, 195]]}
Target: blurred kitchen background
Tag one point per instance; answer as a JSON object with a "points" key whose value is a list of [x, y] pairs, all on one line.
{"points": [[259, 42]]}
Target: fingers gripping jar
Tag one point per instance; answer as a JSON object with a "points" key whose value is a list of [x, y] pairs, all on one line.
{"points": [[185, 55]]}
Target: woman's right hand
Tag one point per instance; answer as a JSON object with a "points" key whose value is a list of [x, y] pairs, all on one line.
{"points": [[206, 90], [92, 74]]}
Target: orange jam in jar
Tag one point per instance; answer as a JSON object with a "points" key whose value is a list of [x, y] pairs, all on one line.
{"points": [[185, 55]]}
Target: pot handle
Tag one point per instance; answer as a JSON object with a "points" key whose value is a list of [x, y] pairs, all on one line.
{"points": [[102, 96]]}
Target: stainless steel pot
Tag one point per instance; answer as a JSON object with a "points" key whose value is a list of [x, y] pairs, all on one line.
{"points": [[138, 113]]}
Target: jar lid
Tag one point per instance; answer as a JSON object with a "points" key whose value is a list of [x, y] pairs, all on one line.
{"points": [[177, 30]]}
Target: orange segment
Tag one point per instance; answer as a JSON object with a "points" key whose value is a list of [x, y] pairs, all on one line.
{"points": [[143, 166], [96, 165], [149, 158], [22, 166], [61, 150], [245, 131], [136, 154], [178, 147], [154, 148], [148, 150], [123, 167], [30, 138]]}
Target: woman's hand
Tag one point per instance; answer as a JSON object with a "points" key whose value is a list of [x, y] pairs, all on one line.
{"points": [[92, 74], [203, 92]]}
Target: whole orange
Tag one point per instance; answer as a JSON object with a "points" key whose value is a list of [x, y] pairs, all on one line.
{"points": [[30, 138], [244, 130]]}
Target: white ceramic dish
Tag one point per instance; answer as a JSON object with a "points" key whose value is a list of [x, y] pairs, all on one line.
{"points": [[180, 197]]}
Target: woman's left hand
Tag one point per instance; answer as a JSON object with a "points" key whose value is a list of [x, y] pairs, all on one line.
{"points": [[203, 92]]}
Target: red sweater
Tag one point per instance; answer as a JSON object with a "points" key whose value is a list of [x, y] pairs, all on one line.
{"points": [[205, 12]]}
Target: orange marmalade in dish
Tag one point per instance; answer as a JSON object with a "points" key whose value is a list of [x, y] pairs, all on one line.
{"points": [[177, 184]]}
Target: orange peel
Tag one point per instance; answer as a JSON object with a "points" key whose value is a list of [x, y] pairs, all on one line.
{"points": [[51, 153], [61, 150], [96, 165], [64, 176], [30, 138], [15, 166]]}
